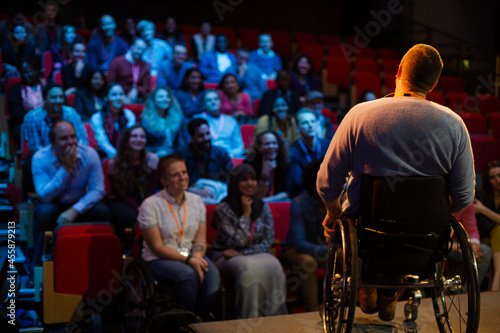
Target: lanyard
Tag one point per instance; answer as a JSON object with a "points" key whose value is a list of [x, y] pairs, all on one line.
{"points": [[252, 231], [408, 94], [103, 49], [181, 232], [135, 73], [221, 126], [306, 151]]}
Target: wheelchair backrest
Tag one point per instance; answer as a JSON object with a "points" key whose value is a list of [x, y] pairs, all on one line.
{"points": [[403, 222]]}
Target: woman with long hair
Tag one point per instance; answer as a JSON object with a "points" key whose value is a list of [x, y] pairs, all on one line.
{"points": [[245, 234], [302, 78], [269, 157], [90, 98], [234, 102], [487, 208], [132, 177], [190, 93], [161, 119], [110, 123], [279, 119], [17, 47], [24, 96], [61, 52]]}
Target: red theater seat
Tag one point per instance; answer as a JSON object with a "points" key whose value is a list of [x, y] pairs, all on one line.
{"points": [[137, 109], [338, 71], [281, 219], [367, 53], [364, 81], [79, 270], [495, 124], [485, 149], [247, 131], [250, 38], [451, 83], [304, 37], [282, 43], [488, 103], [461, 101], [90, 135], [366, 65], [211, 231], [329, 39], [475, 122], [436, 98]]}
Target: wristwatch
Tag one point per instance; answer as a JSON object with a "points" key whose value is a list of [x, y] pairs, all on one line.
{"points": [[187, 259]]}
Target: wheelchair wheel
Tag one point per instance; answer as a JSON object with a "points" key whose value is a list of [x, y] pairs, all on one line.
{"points": [[137, 299], [456, 296], [341, 279]]}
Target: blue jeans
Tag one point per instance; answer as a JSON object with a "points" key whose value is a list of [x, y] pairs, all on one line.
{"points": [[197, 298]]}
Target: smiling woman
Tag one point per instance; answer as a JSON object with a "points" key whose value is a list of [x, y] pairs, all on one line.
{"points": [[110, 123], [132, 175], [245, 233]]}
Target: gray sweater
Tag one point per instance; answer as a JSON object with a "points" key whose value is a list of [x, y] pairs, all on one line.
{"points": [[394, 137]]}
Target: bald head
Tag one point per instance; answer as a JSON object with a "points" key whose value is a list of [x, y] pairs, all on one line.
{"points": [[421, 66]]}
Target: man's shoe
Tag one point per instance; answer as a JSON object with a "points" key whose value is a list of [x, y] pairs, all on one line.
{"points": [[367, 298], [387, 306]]}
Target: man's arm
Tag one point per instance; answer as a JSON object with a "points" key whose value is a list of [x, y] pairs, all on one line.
{"points": [[47, 186], [95, 185]]}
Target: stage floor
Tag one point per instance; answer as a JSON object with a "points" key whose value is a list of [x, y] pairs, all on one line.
{"points": [[311, 322]]}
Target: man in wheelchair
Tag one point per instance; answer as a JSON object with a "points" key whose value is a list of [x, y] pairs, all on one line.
{"points": [[394, 138]]}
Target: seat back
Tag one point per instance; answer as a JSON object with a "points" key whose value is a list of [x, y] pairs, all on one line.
{"points": [[80, 268], [403, 224]]}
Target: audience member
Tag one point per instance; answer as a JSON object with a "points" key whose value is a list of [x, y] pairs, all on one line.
{"points": [[203, 41], [156, 49], [132, 178], [161, 119], [17, 47], [190, 93], [282, 89], [245, 234], [171, 72], [75, 73], [234, 102], [382, 137], [204, 161], [89, 99], [24, 96], [249, 76], [302, 78], [269, 157], [173, 225], [171, 34], [488, 215], [366, 96], [309, 147], [482, 252], [314, 101], [37, 122], [15, 16], [105, 45], [69, 182], [131, 72], [128, 32], [224, 129], [110, 123], [48, 33], [279, 120], [305, 249], [61, 51], [214, 64], [265, 58]]}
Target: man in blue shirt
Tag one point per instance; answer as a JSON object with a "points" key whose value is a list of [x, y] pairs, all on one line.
{"points": [[309, 147], [106, 45], [265, 58], [171, 72], [203, 160], [214, 64], [38, 122], [69, 182]]}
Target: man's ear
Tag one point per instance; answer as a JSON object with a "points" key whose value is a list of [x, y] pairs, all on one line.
{"points": [[433, 86], [399, 71], [163, 182]]}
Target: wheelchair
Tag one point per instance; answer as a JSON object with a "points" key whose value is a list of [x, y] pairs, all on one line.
{"points": [[401, 239]]}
